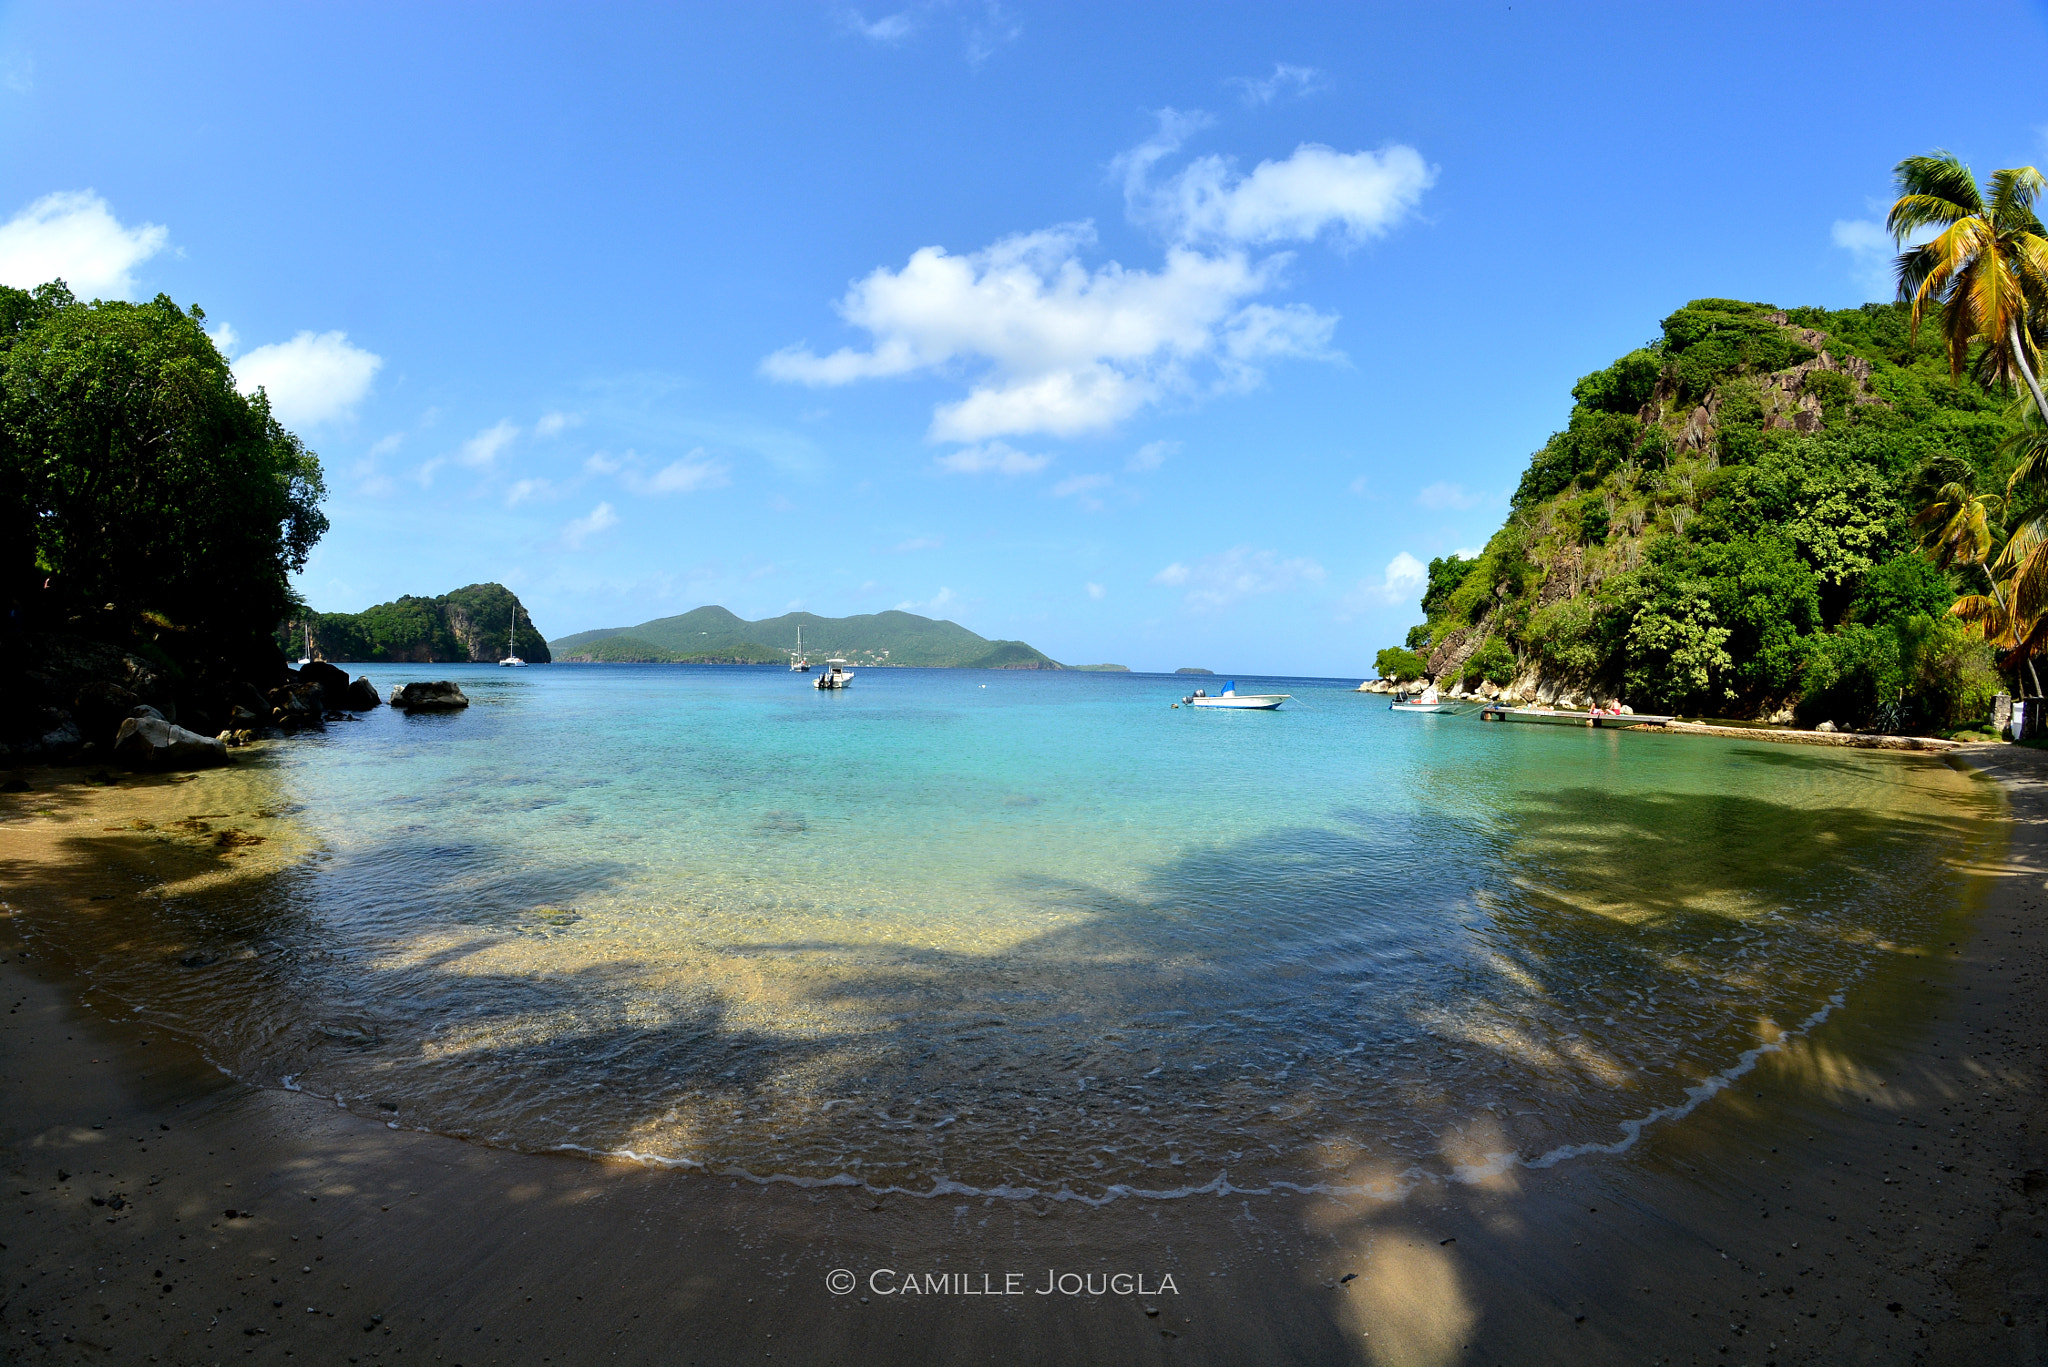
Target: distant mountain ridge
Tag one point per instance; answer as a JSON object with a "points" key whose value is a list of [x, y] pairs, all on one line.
{"points": [[713, 635]]}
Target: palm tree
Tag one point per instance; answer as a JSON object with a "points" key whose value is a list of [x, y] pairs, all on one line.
{"points": [[1986, 268], [1958, 528]]}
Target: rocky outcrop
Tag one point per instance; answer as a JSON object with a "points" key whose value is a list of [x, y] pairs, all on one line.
{"points": [[332, 679], [440, 696], [362, 695], [150, 742]]}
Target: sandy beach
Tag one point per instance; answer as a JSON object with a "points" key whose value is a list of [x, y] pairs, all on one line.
{"points": [[1870, 1193]]}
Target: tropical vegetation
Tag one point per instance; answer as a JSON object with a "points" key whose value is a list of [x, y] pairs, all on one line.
{"points": [[151, 515], [1805, 513], [471, 624]]}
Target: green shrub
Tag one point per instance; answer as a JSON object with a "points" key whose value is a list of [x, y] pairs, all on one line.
{"points": [[1492, 663], [1565, 637], [1851, 674], [1398, 664], [1623, 387]]}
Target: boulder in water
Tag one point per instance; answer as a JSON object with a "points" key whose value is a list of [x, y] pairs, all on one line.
{"points": [[153, 743], [361, 695], [440, 696], [332, 679]]}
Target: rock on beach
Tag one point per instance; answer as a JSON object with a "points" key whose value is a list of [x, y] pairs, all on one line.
{"points": [[150, 742], [440, 696]]}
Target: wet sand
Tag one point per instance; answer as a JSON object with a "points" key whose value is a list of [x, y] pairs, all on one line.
{"points": [[1872, 1193]]}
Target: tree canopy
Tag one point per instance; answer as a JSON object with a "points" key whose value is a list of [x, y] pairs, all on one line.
{"points": [[135, 479]]}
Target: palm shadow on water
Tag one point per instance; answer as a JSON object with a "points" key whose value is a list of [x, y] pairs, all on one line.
{"points": [[1324, 971]]}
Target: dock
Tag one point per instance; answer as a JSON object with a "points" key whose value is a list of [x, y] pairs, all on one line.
{"points": [[1553, 717]]}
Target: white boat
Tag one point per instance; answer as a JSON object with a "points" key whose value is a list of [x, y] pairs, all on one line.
{"points": [[836, 675], [1428, 700], [799, 663], [307, 658], [1230, 697], [512, 661]]}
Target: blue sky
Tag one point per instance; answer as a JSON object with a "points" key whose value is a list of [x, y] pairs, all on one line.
{"points": [[1156, 334]]}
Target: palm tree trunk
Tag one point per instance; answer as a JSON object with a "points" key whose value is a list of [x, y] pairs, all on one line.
{"points": [[2019, 357]]}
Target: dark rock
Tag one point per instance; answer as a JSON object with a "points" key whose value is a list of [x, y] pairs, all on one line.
{"points": [[440, 696], [333, 681], [153, 743], [298, 706], [100, 707], [361, 695]]}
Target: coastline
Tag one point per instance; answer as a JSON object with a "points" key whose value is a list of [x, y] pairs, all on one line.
{"points": [[1893, 1157]]}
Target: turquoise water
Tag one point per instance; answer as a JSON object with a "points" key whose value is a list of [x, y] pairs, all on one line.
{"points": [[1032, 932]]}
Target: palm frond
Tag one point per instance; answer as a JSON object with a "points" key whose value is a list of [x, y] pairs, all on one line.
{"points": [[2013, 192], [1936, 188]]}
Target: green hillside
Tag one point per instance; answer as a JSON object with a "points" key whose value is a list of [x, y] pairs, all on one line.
{"points": [[714, 635], [1725, 527], [469, 625]]}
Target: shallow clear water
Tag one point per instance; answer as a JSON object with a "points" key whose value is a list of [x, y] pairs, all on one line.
{"points": [[1029, 932]]}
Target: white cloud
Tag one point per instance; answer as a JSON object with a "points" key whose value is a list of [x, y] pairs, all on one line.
{"points": [[385, 445], [1217, 581], [313, 378], [1151, 456], [1871, 255], [1362, 195], [1285, 80], [1080, 484], [890, 28], [1048, 344], [1467, 552], [554, 424], [921, 543], [1405, 575], [1442, 495], [943, 598], [1362, 486], [598, 463], [1096, 591], [525, 489], [484, 448], [687, 475], [74, 236], [225, 338], [992, 457], [1061, 348], [598, 519], [1402, 582]]}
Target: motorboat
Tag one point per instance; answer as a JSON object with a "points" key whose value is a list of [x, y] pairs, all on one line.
{"points": [[511, 660], [1230, 697], [1428, 700], [836, 675], [799, 663]]}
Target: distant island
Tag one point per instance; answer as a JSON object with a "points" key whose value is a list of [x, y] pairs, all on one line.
{"points": [[471, 625], [712, 635], [1102, 669], [1191, 669]]}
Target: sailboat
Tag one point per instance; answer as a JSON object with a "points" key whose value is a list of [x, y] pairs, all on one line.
{"points": [[512, 661], [799, 663], [307, 658]]}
